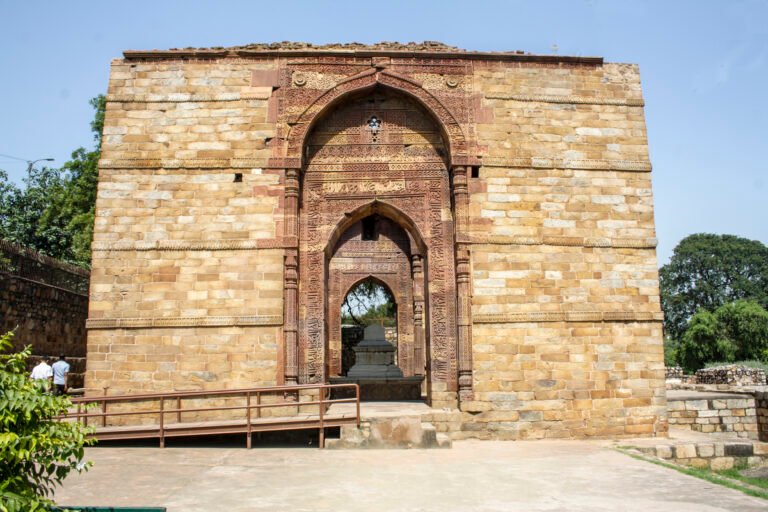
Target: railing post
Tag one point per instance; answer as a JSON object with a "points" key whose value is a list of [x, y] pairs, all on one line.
{"points": [[357, 403], [103, 413], [321, 442], [258, 402], [178, 409], [162, 430], [248, 413]]}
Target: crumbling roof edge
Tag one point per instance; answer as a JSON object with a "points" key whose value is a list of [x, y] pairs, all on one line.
{"points": [[205, 53]]}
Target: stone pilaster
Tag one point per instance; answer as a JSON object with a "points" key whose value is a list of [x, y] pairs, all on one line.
{"points": [[290, 311], [464, 306], [419, 355]]}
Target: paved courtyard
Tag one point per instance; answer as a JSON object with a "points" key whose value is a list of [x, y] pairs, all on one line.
{"points": [[473, 475]]}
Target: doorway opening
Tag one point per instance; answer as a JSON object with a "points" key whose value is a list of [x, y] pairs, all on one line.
{"points": [[369, 302]]}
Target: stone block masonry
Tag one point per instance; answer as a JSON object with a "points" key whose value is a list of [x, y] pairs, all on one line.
{"points": [[46, 302], [233, 183], [708, 413]]}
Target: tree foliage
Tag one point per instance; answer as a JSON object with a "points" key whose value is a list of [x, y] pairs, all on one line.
{"points": [[707, 271], [37, 450], [736, 331], [369, 302], [54, 212]]}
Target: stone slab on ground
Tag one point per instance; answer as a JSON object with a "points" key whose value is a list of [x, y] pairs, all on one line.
{"points": [[477, 476]]}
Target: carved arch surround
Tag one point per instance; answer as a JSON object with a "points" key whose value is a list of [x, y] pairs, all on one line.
{"points": [[384, 208], [329, 200], [302, 126]]}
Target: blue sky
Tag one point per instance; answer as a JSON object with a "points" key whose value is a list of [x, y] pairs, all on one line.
{"points": [[704, 66]]}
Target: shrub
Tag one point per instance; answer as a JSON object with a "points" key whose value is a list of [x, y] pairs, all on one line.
{"points": [[735, 331], [37, 450]]}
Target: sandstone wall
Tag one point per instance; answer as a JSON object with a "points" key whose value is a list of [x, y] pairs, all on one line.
{"points": [[567, 335], [46, 302], [734, 414], [187, 288], [186, 291]]}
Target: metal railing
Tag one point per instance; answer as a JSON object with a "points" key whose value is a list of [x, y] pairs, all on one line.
{"points": [[254, 400]]}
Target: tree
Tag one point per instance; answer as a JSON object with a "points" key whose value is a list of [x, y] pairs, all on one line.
{"points": [[37, 450], [369, 302], [707, 271], [737, 331], [21, 211], [54, 213]]}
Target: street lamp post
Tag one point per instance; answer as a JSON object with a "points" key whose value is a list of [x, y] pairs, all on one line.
{"points": [[31, 163]]}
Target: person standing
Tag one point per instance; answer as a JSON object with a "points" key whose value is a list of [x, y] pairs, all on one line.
{"points": [[60, 371], [42, 372]]}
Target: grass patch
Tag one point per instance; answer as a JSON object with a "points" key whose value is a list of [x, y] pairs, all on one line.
{"points": [[735, 475], [724, 478]]}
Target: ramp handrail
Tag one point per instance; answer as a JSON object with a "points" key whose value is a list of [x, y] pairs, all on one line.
{"points": [[291, 397]]}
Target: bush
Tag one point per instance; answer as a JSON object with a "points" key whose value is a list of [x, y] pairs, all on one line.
{"points": [[735, 331], [37, 450]]}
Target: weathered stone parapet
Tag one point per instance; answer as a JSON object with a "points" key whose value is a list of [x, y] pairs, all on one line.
{"points": [[733, 375]]}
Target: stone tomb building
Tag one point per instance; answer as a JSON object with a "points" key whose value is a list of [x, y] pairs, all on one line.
{"points": [[503, 198]]}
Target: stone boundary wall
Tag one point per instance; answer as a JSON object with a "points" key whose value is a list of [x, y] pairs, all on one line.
{"points": [[674, 372], [731, 374], [714, 455], [46, 302], [761, 406], [736, 414]]}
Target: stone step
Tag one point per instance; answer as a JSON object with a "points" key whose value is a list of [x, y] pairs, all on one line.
{"points": [[402, 432]]}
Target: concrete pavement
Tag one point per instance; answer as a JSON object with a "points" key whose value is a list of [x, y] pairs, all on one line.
{"points": [[473, 476]]}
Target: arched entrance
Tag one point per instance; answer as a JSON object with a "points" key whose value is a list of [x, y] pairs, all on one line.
{"points": [[376, 164], [375, 248], [369, 301]]}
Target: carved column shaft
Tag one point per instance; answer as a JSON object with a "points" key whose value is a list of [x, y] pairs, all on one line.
{"points": [[290, 309], [464, 303], [419, 349]]}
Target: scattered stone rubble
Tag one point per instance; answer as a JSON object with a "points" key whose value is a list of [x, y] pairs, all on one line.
{"points": [[734, 375], [674, 372]]}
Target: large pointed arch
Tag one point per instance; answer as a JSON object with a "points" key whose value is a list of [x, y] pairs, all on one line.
{"points": [[385, 209], [448, 122]]}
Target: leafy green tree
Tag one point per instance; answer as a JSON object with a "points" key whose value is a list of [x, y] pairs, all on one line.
{"points": [[73, 206], [736, 331], [707, 271], [37, 450], [21, 211], [369, 302], [54, 213]]}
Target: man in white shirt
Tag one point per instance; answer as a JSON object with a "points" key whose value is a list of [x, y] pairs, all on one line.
{"points": [[42, 372], [60, 370]]}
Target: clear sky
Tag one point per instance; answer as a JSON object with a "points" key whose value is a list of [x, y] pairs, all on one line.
{"points": [[703, 63]]}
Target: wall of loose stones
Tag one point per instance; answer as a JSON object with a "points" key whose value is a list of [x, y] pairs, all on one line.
{"points": [[567, 334], [186, 291]]}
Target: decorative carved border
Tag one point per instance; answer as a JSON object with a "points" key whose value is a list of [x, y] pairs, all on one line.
{"points": [[262, 94], [150, 163], [183, 245], [538, 162], [571, 316], [182, 321], [568, 241], [576, 100]]}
